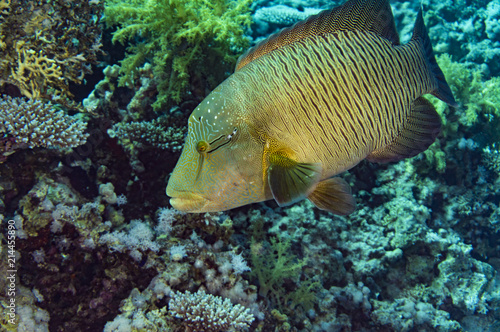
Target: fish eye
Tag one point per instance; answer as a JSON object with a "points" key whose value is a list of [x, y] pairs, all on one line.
{"points": [[202, 146]]}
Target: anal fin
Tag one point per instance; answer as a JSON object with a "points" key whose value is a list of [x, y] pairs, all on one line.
{"points": [[419, 132], [333, 195]]}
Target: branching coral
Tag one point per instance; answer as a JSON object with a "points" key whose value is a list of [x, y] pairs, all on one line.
{"points": [[38, 124], [205, 312], [4, 11], [136, 137], [34, 71], [181, 37], [157, 133]]}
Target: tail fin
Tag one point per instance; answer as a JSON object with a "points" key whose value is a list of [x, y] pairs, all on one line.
{"points": [[443, 90]]}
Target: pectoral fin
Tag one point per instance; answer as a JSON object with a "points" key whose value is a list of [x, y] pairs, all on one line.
{"points": [[333, 195], [289, 180]]}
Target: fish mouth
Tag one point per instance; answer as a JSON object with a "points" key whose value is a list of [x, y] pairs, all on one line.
{"points": [[188, 202]]}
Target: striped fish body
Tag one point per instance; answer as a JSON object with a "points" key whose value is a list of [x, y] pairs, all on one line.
{"points": [[307, 104], [337, 98]]}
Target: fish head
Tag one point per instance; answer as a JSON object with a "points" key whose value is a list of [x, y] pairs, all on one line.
{"points": [[220, 166]]}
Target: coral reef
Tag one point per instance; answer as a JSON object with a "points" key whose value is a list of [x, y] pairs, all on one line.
{"points": [[33, 123], [478, 96], [465, 31], [157, 133], [283, 15], [271, 271], [98, 247], [202, 312], [45, 45]]}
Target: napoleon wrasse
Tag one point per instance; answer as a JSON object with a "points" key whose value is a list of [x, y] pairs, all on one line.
{"points": [[306, 104]]}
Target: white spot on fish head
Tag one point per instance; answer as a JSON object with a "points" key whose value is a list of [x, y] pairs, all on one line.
{"points": [[218, 112]]}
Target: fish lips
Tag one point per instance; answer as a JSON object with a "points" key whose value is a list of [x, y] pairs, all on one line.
{"points": [[188, 202]]}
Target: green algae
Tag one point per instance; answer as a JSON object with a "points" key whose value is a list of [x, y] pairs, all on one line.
{"points": [[184, 40]]}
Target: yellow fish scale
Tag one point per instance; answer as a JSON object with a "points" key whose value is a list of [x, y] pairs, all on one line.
{"points": [[336, 98]]}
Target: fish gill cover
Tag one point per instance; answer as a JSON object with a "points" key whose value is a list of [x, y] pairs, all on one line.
{"points": [[96, 245]]}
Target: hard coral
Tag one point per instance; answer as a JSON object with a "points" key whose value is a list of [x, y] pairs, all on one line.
{"points": [[158, 133], [37, 124], [45, 45], [283, 15], [181, 37], [205, 312], [34, 70]]}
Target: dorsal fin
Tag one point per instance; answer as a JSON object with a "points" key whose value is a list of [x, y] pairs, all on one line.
{"points": [[361, 15]]}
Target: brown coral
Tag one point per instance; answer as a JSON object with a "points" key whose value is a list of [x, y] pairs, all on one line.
{"points": [[45, 45], [4, 6], [34, 71]]}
